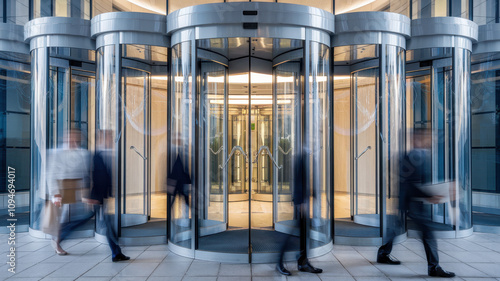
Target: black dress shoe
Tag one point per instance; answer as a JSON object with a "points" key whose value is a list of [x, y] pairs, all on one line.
{"points": [[307, 267], [439, 272], [120, 257], [388, 259], [282, 269]]}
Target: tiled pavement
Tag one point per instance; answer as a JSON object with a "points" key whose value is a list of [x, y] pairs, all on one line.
{"points": [[473, 258]]}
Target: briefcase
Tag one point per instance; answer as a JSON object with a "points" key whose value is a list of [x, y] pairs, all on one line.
{"points": [[70, 188]]}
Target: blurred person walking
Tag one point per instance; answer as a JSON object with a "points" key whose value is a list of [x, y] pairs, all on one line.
{"points": [[300, 207], [68, 183], [102, 189], [414, 179]]}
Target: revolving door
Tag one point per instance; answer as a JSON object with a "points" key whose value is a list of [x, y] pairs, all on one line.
{"points": [[242, 111]]}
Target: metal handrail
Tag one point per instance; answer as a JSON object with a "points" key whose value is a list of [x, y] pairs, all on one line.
{"points": [[269, 154], [137, 151], [231, 154], [364, 151]]}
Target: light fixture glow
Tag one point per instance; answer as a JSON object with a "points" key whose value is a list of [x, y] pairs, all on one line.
{"points": [[355, 6], [148, 6]]}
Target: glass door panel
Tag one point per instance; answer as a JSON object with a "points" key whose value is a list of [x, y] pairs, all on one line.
{"points": [[365, 193], [287, 129], [134, 192], [213, 193]]}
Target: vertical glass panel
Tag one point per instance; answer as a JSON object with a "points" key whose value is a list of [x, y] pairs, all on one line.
{"points": [[429, 8], [108, 133], [182, 138], [213, 112], [66, 8], [366, 194], [484, 152], [460, 8], [15, 135], [318, 120], [462, 122], [17, 11], [134, 95], [42, 8], [393, 109], [62, 9], [326, 5], [356, 109], [288, 128], [158, 154], [39, 145], [342, 144], [174, 5], [484, 11]]}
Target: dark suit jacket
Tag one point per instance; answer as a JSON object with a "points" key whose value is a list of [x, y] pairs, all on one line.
{"points": [[101, 177]]}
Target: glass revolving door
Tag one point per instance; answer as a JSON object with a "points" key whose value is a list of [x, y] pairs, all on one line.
{"points": [[131, 111], [241, 158]]}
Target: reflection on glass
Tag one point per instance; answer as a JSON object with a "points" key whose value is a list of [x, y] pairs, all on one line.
{"points": [[15, 134], [135, 88], [393, 132], [445, 112], [60, 106], [485, 11], [182, 136], [107, 104], [317, 143], [429, 8], [484, 156], [288, 105], [62, 8], [365, 196]]}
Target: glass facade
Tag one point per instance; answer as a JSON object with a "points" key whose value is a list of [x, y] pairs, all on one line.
{"points": [[237, 113], [484, 126], [15, 132]]}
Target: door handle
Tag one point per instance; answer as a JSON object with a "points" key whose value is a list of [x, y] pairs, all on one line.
{"points": [[364, 151], [266, 149], [235, 148], [137, 151]]}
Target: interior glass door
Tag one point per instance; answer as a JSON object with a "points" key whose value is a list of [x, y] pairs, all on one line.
{"points": [[134, 188], [249, 132], [365, 188], [213, 110]]}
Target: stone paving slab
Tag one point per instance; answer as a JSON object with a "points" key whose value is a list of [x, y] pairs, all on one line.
{"points": [[474, 258]]}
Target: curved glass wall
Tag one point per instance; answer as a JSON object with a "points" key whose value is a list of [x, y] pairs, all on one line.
{"points": [[131, 114], [15, 136], [368, 97], [62, 93], [437, 97], [484, 127], [240, 160]]}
